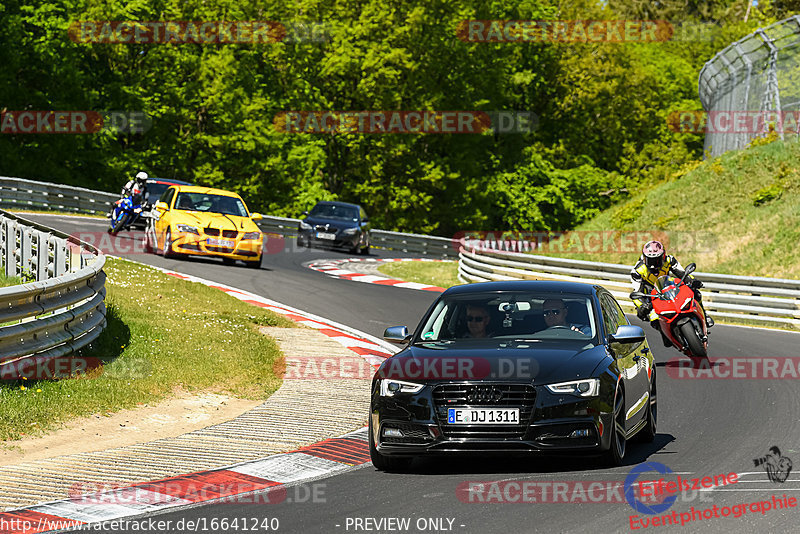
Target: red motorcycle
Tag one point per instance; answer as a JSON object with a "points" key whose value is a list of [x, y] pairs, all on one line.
{"points": [[679, 316]]}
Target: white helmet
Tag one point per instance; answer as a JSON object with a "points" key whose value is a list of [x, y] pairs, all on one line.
{"points": [[141, 176]]}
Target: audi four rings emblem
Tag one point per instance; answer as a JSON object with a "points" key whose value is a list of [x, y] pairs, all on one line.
{"points": [[484, 394]]}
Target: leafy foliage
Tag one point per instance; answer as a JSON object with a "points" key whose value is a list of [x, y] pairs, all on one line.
{"points": [[602, 107]]}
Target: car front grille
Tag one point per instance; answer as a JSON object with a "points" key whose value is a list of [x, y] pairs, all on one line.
{"points": [[215, 232], [219, 249], [484, 395]]}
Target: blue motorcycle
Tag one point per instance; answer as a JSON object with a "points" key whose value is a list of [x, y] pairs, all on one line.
{"points": [[126, 211]]}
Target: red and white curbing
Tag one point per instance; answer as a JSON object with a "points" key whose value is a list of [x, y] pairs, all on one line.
{"points": [[333, 268], [260, 481]]}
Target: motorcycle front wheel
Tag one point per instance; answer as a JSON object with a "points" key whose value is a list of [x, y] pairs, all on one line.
{"points": [[696, 346], [119, 223]]}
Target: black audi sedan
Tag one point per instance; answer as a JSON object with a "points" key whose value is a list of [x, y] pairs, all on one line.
{"points": [[335, 224], [523, 367]]}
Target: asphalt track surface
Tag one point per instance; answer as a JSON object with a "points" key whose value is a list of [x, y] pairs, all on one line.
{"points": [[705, 428]]}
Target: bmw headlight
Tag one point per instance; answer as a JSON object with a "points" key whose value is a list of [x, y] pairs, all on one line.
{"points": [[350, 231], [304, 225], [390, 387], [589, 387], [186, 229], [252, 235]]}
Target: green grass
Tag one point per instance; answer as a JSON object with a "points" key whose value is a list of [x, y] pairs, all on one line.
{"points": [[437, 273], [737, 214], [6, 281], [164, 336]]}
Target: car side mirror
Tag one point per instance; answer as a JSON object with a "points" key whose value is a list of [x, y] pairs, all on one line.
{"points": [[256, 216], [397, 334], [161, 206], [627, 334], [305, 213]]}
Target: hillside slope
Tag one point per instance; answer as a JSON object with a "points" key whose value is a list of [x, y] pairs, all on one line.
{"points": [[738, 214]]}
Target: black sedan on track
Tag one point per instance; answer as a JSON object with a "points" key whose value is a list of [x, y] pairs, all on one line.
{"points": [[335, 224], [514, 367]]}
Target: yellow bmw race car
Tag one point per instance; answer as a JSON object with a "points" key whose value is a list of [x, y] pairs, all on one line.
{"points": [[200, 221]]}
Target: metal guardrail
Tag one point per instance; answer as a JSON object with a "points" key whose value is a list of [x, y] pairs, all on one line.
{"points": [[440, 247], [20, 194], [764, 300], [60, 312]]}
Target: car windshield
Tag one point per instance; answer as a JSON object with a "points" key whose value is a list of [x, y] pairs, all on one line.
{"points": [[510, 315], [334, 211], [211, 204]]}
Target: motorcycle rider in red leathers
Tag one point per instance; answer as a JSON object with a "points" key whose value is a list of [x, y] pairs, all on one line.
{"points": [[653, 264]]}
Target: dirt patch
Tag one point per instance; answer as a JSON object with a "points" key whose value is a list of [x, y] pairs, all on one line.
{"points": [[98, 432]]}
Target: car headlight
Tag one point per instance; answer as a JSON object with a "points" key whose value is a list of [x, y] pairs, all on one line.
{"points": [[350, 231], [304, 226], [252, 235], [186, 229], [390, 387], [589, 387]]}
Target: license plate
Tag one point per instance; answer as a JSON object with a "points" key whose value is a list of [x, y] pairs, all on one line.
{"points": [[483, 416], [220, 242], [325, 235]]}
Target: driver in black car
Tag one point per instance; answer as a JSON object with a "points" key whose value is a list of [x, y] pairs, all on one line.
{"points": [[477, 321], [555, 314]]}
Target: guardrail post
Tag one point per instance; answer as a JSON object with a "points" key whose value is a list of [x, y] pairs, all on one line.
{"points": [[10, 258], [42, 255], [26, 251], [59, 257]]}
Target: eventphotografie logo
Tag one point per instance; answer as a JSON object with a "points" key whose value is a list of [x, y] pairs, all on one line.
{"points": [[777, 467]]}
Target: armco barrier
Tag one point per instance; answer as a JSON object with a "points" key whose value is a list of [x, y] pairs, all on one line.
{"points": [[764, 300], [60, 312], [440, 247], [17, 193]]}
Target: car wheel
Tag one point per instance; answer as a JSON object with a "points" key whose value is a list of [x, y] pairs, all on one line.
{"points": [[254, 264], [616, 451], [381, 462], [648, 433], [167, 252]]}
